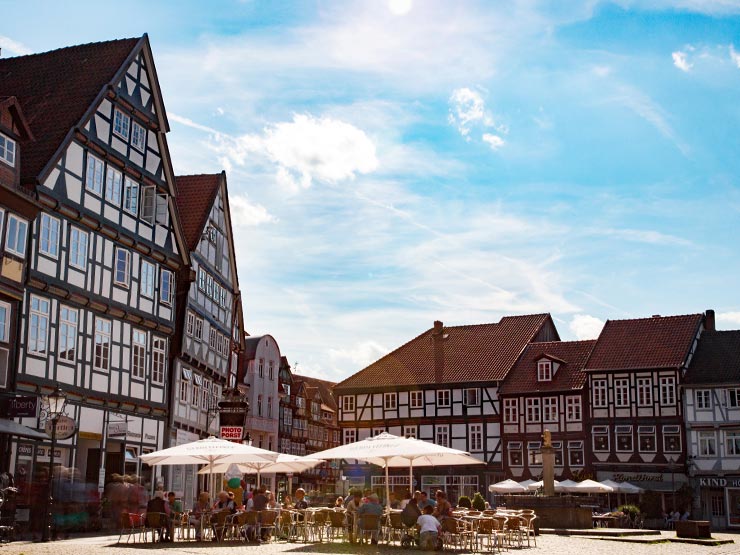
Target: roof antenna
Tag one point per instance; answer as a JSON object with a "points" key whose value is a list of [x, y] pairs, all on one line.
{"points": [[295, 367]]}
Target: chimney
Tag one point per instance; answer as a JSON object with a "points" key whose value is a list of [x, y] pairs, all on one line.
{"points": [[709, 323], [439, 351], [438, 327]]}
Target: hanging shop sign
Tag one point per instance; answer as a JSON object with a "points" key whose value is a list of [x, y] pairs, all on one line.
{"points": [[66, 427], [22, 406]]}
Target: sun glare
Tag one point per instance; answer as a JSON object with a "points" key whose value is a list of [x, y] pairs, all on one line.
{"points": [[400, 7]]}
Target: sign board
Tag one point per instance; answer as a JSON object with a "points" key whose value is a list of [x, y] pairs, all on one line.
{"points": [[22, 406], [232, 433], [66, 427], [117, 429]]}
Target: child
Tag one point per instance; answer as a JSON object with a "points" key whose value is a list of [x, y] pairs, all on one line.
{"points": [[429, 528]]}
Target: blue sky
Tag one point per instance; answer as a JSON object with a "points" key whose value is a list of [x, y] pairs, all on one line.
{"points": [[395, 162]]}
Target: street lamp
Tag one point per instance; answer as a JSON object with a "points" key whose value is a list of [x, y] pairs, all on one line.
{"points": [[56, 401]]}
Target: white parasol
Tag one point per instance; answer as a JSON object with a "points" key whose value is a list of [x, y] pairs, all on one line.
{"points": [[591, 486], [283, 464], [507, 486]]}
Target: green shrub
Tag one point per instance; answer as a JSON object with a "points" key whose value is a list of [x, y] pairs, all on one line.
{"points": [[479, 504], [464, 501], [631, 510]]}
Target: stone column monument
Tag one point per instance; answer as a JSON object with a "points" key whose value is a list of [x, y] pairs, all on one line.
{"points": [[548, 464]]}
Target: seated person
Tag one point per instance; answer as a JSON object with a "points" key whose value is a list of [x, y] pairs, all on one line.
{"points": [[424, 501], [202, 505], [157, 505], [442, 509], [372, 507], [300, 499], [223, 505], [429, 528], [352, 506], [393, 501], [411, 513], [175, 504], [287, 502]]}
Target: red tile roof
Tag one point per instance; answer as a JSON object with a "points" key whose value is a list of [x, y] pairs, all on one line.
{"points": [[195, 196], [657, 342], [572, 355], [717, 359], [55, 90], [476, 353], [324, 388]]}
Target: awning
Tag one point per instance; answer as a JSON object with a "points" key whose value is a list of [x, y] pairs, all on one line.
{"points": [[12, 427]]}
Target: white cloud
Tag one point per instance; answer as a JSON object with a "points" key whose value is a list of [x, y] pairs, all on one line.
{"points": [[14, 47], [729, 318], [648, 236], [358, 355], [466, 108], [584, 326], [681, 62], [400, 7], [494, 141], [246, 214], [190, 123], [734, 56]]}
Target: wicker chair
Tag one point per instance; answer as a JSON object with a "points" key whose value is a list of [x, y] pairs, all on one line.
{"points": [[268, 524], [154, 523], [338, 525], [286, 526], [369, 527], [129, 524], [487, 535], [394, 529]]}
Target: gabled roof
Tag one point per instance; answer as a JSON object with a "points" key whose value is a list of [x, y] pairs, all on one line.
{"points": [[717, 359], [56, 89], [324, 388], [195, 197], [572, 356], [13, 106], [483, 352], [251, 343], [645, 343]]}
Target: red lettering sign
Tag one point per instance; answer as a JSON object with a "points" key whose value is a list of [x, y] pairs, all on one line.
{"points": [[232, 433]]}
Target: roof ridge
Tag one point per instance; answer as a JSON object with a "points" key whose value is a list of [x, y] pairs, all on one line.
{"points": [[656, 317], [576, 341], [73, 47]]}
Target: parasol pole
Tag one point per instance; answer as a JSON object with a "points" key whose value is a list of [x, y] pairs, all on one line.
{"points": [[387, 486], [411, 477]]}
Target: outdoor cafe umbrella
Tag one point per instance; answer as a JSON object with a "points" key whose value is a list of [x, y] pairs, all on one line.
{"points": [[507, 486], [590, 486], [567, 485], [534, 486], [621, 487], [527, 483], [283, 464], [392, 451]]}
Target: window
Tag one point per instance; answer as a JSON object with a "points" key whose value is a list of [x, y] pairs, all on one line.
{"points": [[671, 439], [416, 399], [94, 175], [166, 279], [259, 405], [443, 398], [148, 273], [733, 398], [15, 238], [38, 326], [621, 392], [550, 409], [138, 354], [599, 393], [121, 124], [270, 369], [77, 247], [131, 196], [644, 392], [533, 410], [269, 407], [195, 395], [138, 137], [4, 322], [471, 397], [389, 401], [198, 329], [102, 344], [261, 367], [190, 323], [732, 440], [67, 347], [148, 194], [206, 395], [212, 338], [557, 447], [348, 403], [159, 359], [49, 235], [514, 450], [162, 212], [544, 371], [443, 436], [113, 179], [476, 437], [624, 438], [511, 411], [703, 399], [668, 391], [707, 444], [409, 431], [185, 385], [534, 454], [201, 279], [350, 436], [575, 453], [122, 273], [573, 408], [646, 439], [7, 149], [209, 286], [600, 436]]}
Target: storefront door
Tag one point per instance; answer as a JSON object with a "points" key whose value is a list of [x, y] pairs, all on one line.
{"points": [[733, 506]]}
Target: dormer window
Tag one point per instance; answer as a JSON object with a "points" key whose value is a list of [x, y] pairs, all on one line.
{"points": [[544, 371], [7, 150]]}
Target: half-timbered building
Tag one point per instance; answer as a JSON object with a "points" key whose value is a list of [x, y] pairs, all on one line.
{"points": [[286, 442], [441, 386], [712, 413], [545, 391], [635, 412], [209, 320], [100, 296]]}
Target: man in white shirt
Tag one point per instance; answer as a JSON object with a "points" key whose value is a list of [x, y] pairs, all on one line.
{"points": [[429, 528]]}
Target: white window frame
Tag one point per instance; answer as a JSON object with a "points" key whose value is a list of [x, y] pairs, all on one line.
{"points": [[600, 432], [348, 403], [573, 408], [515, 447], [198, 334], [122, 277], [621, 392], [148, 207], [165, 286], [732, 443], [16, 235], [94, 175], [390, 401], [190, 323], [471, 397], [668, 391], [646, 431], [475, 437], [78, 241], [113, 185], [733, 398], [416, 399], [534, 453], [533, 410], [511, 411], [212, 338], [147, 278], [121, 124], [185, 377], [49, 228], [707, 443], [599, 392], [159, 359], [442, 435], [410, 431], [138, 136], [703, 399], [5, 314], [131, 196], [644, 392], [205, 395], [575, 447], [270, 367], [444, 398], [8, 148], [103, 331], [67, 334], [672, 431], [549, 409], [38, 326], [544, 371], [138, 353], [624, 431], [350, 436]]}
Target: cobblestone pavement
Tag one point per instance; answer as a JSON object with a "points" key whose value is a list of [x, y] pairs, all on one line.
{"points": [[551, 545]]}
